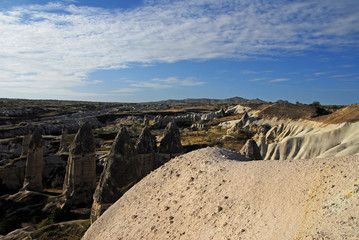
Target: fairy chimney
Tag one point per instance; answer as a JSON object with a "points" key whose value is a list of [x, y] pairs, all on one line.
{"points": [[34, 162], [80, 177], [118, 176]]}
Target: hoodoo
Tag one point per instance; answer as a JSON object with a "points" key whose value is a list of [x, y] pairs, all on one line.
{"points": [[118, 175], [80, 177], [34, 162]]}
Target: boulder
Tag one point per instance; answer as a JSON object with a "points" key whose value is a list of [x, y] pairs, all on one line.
{"points": [[251, 151], [12, 176], [118, 176], [80, 177], [34, 163], [23, 204]]}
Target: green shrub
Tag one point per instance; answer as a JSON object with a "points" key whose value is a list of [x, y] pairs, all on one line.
{"points": [[45, 222], [56, 182]]}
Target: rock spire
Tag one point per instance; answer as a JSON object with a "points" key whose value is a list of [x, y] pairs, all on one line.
{"points": [[34, 162], [118, 176], [80, 177]]}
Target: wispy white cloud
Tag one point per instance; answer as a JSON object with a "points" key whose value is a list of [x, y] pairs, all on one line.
{"points": [[125, 90], [59, 44], [344, 75], [320, 73], [279, 80], [170, 82], [347, 66], [258, 79], [249, 72]]}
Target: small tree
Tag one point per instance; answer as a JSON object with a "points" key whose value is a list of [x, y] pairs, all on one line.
{"points": [[316, 104]]}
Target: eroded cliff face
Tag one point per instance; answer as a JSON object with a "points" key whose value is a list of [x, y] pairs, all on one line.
{"points": [[280, 139], [303, 140]]}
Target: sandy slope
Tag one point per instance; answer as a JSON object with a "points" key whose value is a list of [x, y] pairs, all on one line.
{"points": [[204, 195]]}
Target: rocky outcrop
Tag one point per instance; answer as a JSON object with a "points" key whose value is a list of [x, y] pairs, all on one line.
{"points": [[127, 165], [146, 121], [332, 140], [64, 141], [23, 204], [12, 176], [239, 125], [171, 141], [34, 163], [170, 145], [213, 115], [119, 173], [251, 150], [25, 143], [186, 119], [198, 127], [49, 127], [146, 149], [80, 178]]}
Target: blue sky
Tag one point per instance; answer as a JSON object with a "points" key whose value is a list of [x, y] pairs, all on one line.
{"points": [[135, 51]]}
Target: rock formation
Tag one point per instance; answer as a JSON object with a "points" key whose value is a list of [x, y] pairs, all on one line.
{"points": [[64, 141], [80, 177], [118, 176], [238, 126], [25, 143], [170, 145], [146, 149], [213, 115], [251, 150], [146, 121], [34, 163]]}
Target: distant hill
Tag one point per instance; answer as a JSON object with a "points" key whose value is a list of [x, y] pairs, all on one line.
{"points": [[233, 100]]}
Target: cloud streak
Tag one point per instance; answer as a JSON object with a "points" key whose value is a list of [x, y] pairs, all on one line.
{"points": [[56, 46], [279, 80], [157, 83]]}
